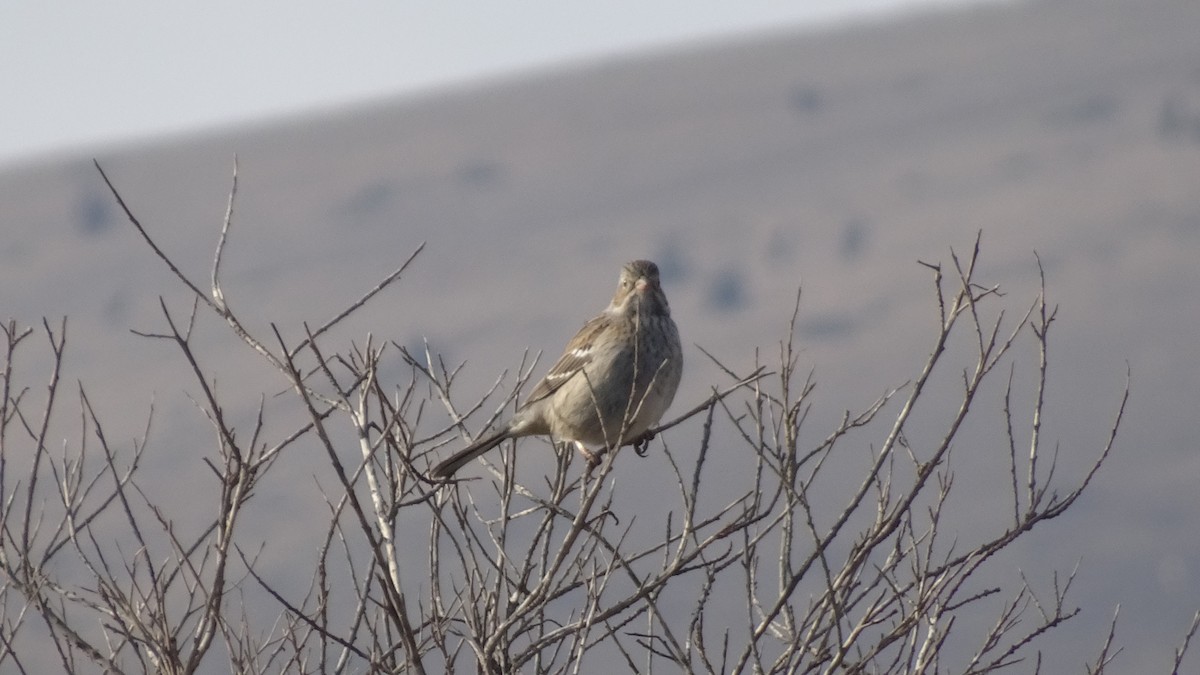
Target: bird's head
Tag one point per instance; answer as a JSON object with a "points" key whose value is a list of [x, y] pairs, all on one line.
{"points": [[639, 292]]}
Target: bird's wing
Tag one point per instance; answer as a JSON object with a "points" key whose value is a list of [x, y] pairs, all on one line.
{"points": [[576, 356]]}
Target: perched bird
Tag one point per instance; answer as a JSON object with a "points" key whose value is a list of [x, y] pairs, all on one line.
{"points": [[615, 379]]}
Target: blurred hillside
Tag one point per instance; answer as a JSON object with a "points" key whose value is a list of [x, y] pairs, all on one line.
{"points": [[834, 160]]}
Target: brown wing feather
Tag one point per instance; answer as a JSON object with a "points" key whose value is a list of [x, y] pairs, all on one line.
{"points": [[574, 358]]}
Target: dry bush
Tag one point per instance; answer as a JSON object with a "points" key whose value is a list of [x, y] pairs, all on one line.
{"points": [[806, 568]]}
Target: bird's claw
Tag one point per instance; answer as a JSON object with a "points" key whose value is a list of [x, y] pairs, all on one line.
{"points": [[641, 444]]}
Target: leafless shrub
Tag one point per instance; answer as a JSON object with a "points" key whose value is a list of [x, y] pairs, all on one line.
{"points": [[509, 575]]}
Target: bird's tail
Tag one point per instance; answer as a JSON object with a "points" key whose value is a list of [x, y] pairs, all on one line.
{"points": [[453, 463]]}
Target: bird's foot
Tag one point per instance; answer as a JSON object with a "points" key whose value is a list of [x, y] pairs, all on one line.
{"points": [[593, 458], [641, 444]]}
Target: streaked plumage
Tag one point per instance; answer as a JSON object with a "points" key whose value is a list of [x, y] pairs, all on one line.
{"points": [[615, 379]]}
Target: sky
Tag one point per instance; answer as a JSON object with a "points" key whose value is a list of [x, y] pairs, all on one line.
{"points": [[76, 75]]}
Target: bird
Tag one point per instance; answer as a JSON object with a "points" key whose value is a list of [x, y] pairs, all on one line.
{"points": [[614, 380]]}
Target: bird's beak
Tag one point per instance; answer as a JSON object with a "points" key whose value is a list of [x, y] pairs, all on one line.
{"points": [[641, 285]]}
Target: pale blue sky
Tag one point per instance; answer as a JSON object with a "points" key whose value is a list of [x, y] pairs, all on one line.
{"points": [[75, 75]]}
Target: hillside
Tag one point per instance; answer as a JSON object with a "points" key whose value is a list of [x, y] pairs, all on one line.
{"points": [[835, 160]]}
